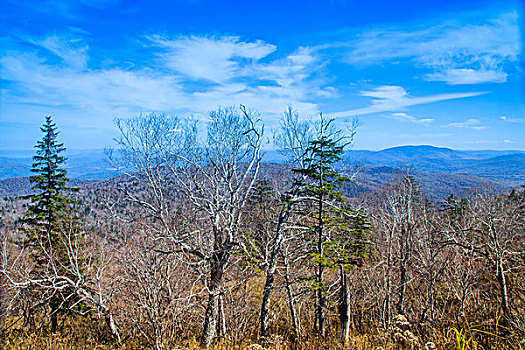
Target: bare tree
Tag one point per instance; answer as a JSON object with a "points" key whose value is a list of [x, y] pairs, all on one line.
{"points": [[492, 228], [159, 301], [79, 280], [210, 177], [398, 219], [293, 139]]}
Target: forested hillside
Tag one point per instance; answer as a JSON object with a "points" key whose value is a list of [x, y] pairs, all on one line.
{"points": [[503, 166], [200, 243]]}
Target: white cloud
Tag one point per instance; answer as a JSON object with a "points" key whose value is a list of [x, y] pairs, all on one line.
{"points": [[423, 136], [113, 88], [230, 61], [70, 51], [468, 76], [490, 142], [392, 98], [512, 120], [472, 123], [233, 67], [214, 59], [457, 53], [412, 119], [482, 142]]}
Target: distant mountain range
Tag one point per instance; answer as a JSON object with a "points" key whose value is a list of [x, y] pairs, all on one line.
{"points": [[440, 171], [507, 166], [81, 164]]}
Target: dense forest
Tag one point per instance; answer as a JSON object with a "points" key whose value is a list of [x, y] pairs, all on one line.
{"points": [[201, 243]]}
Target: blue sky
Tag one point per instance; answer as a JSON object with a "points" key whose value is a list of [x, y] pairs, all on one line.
{"points": [[445, 73]]}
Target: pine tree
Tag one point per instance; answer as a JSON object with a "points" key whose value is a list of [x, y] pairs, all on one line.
{"points": [[49, 212], [338, 232]]}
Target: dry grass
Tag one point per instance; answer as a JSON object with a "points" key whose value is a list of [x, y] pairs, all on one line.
{"points": [[77, 332], [83, 338], [74, 340]]}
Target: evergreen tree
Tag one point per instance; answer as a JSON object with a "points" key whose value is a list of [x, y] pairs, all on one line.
{"points": [[49, 212], [338, 232]]}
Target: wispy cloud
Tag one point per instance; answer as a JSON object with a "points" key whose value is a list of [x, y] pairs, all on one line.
{"points": [[394, 98], [486, 142], [194, 74], [473, 124], [244, 68], [482, 142], [468, 76], [419, 136], [512, 120], [457, 53], [39, 83], [432, 135], [411, 118], [71, 51], [189, 73], [217, 59]]}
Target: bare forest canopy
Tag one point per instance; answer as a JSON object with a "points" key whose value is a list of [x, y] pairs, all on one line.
{"points": [[201, 241]]}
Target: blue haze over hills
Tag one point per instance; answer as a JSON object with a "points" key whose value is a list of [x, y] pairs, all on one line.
{"points": [[507, 166], [81, 164]]}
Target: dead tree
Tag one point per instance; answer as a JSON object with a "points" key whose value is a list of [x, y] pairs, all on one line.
{"points": [[400, 203], [492, 227], [204, 179], [292, 139], [79, 280]]}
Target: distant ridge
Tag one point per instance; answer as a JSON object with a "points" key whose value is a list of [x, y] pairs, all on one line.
{"points": [[506, 166], [81, 164], [20, 186], [501, 165], [367, 179]]}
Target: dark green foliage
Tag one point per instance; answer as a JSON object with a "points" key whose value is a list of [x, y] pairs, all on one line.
{"points": [[323, 153], [49, 206], [337, 232], [341, 232], [50, 220], [349, 244]]}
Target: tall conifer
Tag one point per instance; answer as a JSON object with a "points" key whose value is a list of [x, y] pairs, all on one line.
{"points": [[49, 212], [339, 233]]}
